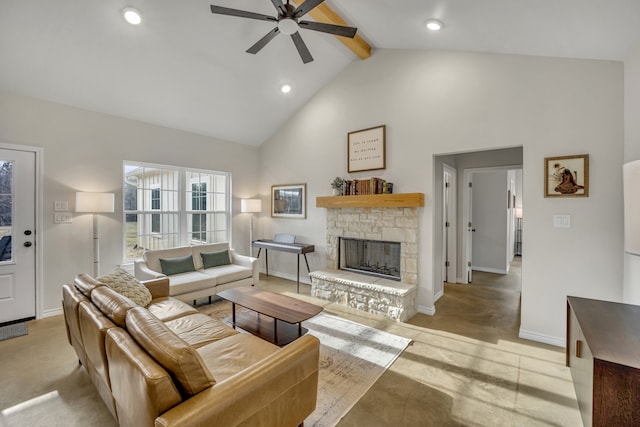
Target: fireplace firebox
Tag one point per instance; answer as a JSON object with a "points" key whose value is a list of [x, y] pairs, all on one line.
{"points": [[373, 257]]}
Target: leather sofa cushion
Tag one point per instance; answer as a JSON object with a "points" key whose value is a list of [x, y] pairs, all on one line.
{"points": [[152, 258], [190, 282], [114, 305], [86, 284], [199, 329], [234, 354], [228, 273], [168, 308], [180, 359]]}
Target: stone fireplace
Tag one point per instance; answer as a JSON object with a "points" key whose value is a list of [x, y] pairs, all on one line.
{"points": [[394, 298]]}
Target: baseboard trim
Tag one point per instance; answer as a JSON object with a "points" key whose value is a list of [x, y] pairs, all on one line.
{"points": [[430, 311], [489, 270], [52, 313], [545, 339], [438, 296], [293, 278]]}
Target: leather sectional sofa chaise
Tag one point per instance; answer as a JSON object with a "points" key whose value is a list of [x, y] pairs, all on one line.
{"points": [[198, 280], [166, 364]]}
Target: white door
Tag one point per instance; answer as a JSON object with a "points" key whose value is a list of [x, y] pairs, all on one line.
{"points": [[470, 229], [17, 239], [449, 224]]}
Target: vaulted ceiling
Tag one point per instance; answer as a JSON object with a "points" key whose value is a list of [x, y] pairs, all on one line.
{"points": [[186, 68]]}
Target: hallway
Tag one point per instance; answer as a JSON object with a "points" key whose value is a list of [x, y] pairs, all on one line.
{"points": [[487, 309]]}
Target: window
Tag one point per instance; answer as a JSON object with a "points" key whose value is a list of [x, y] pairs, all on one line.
{"points": [[166, 206], [155, 206]]}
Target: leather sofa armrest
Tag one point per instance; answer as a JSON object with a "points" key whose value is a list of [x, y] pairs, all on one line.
{"points": [[158, 287], [246, 261], [143, 272], [264, 392]]}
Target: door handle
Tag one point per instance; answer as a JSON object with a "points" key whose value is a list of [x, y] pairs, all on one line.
{"points": [[28, 244]]}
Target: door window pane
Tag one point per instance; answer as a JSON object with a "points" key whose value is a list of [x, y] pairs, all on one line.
{"points": [[6, 209]]}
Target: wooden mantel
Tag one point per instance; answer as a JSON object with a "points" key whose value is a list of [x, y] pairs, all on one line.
{"points": [[401, 200]]}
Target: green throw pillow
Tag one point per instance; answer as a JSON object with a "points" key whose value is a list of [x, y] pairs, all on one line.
{"points": [[215, 259], [177, 265]]}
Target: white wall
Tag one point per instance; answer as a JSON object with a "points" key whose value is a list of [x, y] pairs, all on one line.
{"points": [[439, 102], [632, 152], [489, 252], [84, 151]]}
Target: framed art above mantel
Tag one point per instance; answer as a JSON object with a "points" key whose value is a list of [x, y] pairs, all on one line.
{"points": [[366, 150]]}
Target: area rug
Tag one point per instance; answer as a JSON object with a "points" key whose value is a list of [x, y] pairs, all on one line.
{"points": [[13, 330], [352, 358]]}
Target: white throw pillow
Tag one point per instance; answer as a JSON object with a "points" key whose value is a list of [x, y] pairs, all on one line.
{"points": [[127, 285]]}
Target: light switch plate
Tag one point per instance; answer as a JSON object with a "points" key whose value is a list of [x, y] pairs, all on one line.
{"points": [[562, 221], [62, 218], [60, 205]]}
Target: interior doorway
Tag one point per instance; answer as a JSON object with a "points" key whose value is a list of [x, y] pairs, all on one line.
{"points": [[465, 231]]}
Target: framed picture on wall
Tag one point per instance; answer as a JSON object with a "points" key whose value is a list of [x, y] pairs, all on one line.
{"points": [[289, 201], [566, 176], [366, 149]]}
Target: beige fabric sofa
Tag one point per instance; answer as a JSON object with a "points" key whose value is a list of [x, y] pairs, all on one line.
{"points": [[203, 282], [168, 365]]}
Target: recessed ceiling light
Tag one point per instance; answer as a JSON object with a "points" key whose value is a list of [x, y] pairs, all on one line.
{"points": [[285, 88], [434, 25], [132, 16]]}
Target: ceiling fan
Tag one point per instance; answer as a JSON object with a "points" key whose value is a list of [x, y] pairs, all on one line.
{"points": [[288, 22]]}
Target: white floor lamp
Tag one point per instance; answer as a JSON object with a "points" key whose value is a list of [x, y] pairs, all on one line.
{"points": [[95, 203], [250, 206]]}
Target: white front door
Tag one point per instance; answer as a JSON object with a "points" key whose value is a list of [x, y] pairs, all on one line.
{"points": [[17, 235]]}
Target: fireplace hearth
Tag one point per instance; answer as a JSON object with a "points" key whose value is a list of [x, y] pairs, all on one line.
{"points": [[372, 257]]}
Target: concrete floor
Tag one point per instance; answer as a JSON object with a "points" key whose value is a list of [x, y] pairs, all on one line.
{"points": [[466, 366]]}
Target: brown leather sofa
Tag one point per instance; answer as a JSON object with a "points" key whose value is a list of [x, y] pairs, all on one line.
{"points": [[169, 365]]}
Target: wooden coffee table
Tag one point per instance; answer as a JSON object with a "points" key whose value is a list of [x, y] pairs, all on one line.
{"points": [[273, 317]]}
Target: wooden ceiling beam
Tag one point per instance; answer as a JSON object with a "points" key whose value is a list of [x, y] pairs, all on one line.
{"points": [[323, 13]]}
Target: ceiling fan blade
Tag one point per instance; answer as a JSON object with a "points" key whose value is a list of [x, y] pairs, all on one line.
{"points": [[241, 13], [306, 7], [279, 7], [338, 30], [302, 47], [263, 41]]}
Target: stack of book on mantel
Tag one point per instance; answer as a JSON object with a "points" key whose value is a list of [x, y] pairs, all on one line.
{"points": [[366, 186]]}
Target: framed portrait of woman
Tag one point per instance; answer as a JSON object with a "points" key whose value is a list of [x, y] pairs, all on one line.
{"points": [[566, 176]]}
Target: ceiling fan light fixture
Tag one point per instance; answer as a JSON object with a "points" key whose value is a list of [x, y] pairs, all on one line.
{"points": [[285, 88], [132, 16], [434, 25], [288, 26]]}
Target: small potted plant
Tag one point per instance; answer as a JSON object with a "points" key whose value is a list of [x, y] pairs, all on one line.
{"points": [[336, 184]]}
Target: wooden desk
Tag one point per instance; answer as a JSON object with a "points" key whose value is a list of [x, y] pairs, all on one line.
{"points": [[603, 352], [273, 317], [296, 248]]}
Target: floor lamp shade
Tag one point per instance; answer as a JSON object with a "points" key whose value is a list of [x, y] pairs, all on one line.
{"points": [[631, 173], [95, 202], [250, 205]]}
